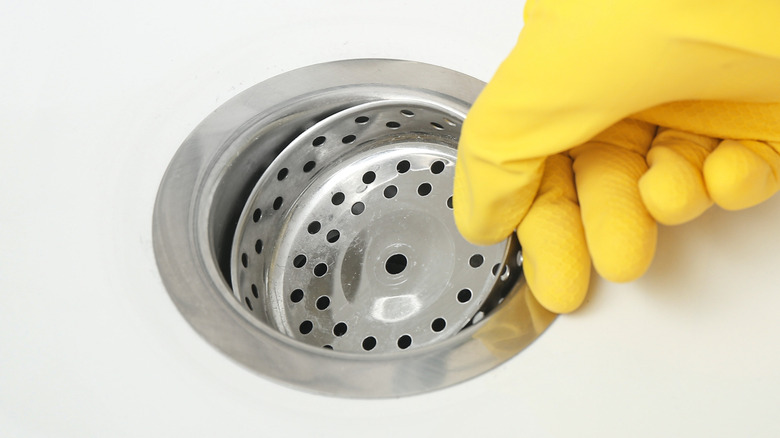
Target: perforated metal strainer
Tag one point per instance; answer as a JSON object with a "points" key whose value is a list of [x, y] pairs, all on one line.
{"points": [[305, 228], [348, 240]]}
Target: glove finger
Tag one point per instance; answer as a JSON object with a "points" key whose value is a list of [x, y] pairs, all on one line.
{"points": [[490, 199], [742, 173], [620, 233], [555, 257], [673, 188]]}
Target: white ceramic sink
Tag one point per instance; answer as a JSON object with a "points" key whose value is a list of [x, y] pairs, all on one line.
{"points": [[95, 100]]}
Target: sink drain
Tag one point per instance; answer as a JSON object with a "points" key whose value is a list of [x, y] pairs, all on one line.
{"points": [[348, 241], [305, 228]]}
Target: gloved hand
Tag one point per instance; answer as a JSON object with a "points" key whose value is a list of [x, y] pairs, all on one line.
{"points": [[651, 109]]}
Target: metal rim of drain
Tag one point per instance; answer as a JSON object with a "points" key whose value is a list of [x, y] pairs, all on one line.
{"points": [[314, 153]]}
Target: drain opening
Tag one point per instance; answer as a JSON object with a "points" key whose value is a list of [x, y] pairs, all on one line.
{"points": [[358, 208], [369, 177], [306, 327], [333, 236], [320, 270], [404, 342], [323, 302], [390, 191], [340, 329], [395, 264], [318, 141], [369, 343], [270, 187]]}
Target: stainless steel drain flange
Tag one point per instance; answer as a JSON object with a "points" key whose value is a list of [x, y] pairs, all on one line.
{"points": [[305, 228]]}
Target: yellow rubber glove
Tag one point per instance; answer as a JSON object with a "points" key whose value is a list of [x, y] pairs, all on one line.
{"points": [[616, 87]]}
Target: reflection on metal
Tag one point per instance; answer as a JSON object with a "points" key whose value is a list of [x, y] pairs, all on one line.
{"points": [[305, 229]]}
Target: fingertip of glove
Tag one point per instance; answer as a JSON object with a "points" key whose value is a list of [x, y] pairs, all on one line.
{"points": [[480, 231], [559, 294], [621, 271], [738, 177], [672, 189]]}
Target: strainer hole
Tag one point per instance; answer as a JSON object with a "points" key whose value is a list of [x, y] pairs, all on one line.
{"points": [[306, 327], [245, 260], [257, 215], [314, 227], [258, 246], [296, 295], [309, 166], [404, 342], [390, 191], [393, 125], [299, 261], [340, 329], [437, 126], [255, 291], [348, 139], [407, 113], [464, 296], [369, 343], [438, 324], [424, 189], [327, 347], [449, 122], [504, 274], [369, 177], [362, 120], [337, 198], [321, 269], [282, 174], [478, 317], [333, 236], [318, 141], [495, 268], [323, 302], [358, 208], [395, 264], [437, 167], [248, 303], [476, 260], [278, 203], [449, 202], [403, 166]]}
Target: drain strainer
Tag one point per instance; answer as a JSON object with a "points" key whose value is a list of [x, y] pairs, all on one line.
{"points": [[305, 228], [348, 241]]}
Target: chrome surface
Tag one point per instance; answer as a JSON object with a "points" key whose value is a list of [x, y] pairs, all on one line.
{"points": [[231, 165], [348, 241]]}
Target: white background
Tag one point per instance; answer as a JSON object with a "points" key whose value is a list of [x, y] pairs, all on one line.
{"points": [[95, 97]]}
